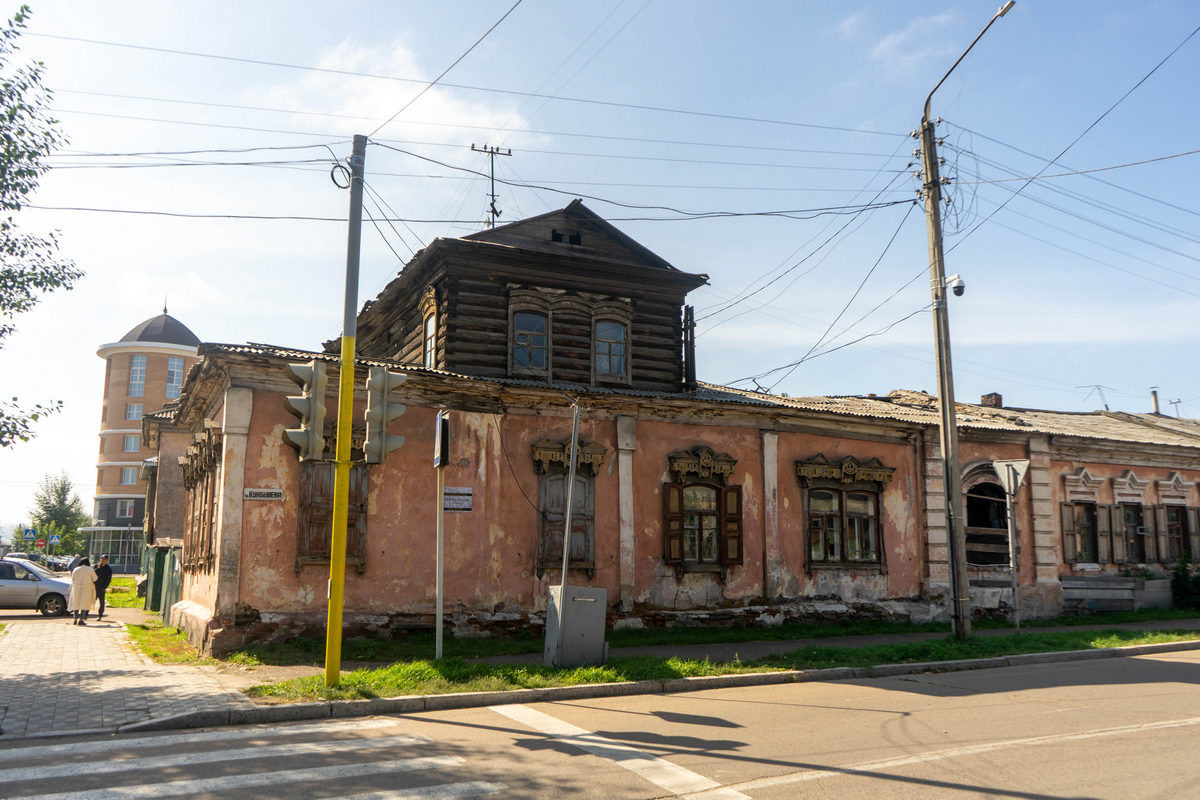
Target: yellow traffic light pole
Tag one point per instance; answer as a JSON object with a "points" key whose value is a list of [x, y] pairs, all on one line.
{"points": [[341, 474]]}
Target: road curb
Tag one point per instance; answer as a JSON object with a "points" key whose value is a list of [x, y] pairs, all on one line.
{"points": [[412, 704]]}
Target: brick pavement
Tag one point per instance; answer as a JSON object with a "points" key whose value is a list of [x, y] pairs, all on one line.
{"points": [[57, 678]]}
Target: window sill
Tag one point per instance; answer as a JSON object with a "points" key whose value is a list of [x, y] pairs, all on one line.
{"points": [[358, 562], [862, 566]]}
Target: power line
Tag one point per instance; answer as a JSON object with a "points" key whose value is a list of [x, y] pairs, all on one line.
{"points": [[853, 297], [1117, 186], [285, 217], [444, 72], [1084, 171], [567, 153], [350, 73], [1086, 130], [487, 128], [670, 209]]}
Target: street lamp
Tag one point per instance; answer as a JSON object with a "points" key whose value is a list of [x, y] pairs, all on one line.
{"points": [[952, 480]]}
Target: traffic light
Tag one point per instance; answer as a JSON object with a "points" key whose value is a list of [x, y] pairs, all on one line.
{"points": [[309, 406], [380, 382]]}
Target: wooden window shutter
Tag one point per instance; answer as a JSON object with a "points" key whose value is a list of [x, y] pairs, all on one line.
{"points": [[1104, 547], [1160, 524], [731, 525], [1192, 539], [672, 523], [1068, 533], [1118, 531], [356, 523], [315, 523], [1150, 538]]}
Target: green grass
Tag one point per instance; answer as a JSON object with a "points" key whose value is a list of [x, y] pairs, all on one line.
{"points": [[456, 675], [122, 593], [165, 645], [418, 645]]}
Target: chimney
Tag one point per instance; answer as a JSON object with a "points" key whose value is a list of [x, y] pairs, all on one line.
{"points": [[1154, 401], [993, 400]]}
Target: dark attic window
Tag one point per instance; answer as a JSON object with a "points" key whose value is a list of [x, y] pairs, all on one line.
{"points": [[572, 237]]}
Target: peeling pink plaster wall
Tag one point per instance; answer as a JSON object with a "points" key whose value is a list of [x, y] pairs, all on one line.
{"points": [[903, 536], [1104, 493], [200, 586], [655, 583]]}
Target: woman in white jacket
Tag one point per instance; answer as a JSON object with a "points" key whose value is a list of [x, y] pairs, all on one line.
{"points": [[83, 591]]}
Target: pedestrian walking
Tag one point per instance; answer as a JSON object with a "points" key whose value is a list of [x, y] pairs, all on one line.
{"points": [[83, 591], [103, 579]]}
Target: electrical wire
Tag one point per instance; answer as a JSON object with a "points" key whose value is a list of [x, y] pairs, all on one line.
{"points": [[350, 73], [853, 297], [670, 209], [1075, 141], [486, 128], [1117, 186], [444, 72], [1086, 171]]}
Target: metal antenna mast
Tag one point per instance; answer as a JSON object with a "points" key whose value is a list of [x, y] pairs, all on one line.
{"points": [[492, 152]]}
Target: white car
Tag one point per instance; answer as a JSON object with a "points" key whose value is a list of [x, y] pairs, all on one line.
{"points": [[24, 584]]}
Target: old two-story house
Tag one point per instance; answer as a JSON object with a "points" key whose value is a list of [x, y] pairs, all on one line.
{"points": [[691, 501]]}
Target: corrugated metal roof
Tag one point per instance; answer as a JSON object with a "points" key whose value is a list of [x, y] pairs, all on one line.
{"points": [[904, 406]]}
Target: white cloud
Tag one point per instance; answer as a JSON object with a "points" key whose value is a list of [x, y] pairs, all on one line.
{"points": [[917, 42]]}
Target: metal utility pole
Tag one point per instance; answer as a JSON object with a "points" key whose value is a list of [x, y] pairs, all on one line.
{"points": [[342, 464], [952, 479], [492, 152]]}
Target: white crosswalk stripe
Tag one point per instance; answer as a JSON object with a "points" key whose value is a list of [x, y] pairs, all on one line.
{"points": [[185, 756], [249, 781], [40, 749], [177, 760]]}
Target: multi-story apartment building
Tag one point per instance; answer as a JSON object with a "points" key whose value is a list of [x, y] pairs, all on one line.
{"points": [[144, 371]]}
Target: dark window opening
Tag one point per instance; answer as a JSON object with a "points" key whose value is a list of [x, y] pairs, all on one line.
{"points": [[987, 526]]}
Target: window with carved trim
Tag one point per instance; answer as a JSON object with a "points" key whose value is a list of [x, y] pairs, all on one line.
{"points": [[702, 513], [429, 342], [611, 347], [530, 342], [201, 469], [551, 461], [842, 511]]}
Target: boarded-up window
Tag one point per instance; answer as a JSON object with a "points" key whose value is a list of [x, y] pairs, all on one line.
{"points": [[552, 501], [987, 526], [315, 523]]}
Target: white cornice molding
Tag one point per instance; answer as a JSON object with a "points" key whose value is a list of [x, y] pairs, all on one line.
{"points": [[116, 348]]}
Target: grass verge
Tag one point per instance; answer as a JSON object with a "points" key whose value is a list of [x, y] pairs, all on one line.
{"points": [[420, 645], [457, 675], [122, 593], [165, 645]]}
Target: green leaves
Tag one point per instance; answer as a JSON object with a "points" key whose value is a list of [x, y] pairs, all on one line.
{"points": [[30, 265]]}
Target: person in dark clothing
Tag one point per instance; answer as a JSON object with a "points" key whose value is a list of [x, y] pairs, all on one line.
{"points": [[103, 579]]}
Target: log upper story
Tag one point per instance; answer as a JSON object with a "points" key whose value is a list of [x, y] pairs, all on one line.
{"points": [[564, 297]]}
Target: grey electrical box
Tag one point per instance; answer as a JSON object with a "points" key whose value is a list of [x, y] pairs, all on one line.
{"points": [[583, 616]]}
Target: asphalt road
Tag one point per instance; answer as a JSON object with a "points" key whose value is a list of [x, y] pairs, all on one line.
{"points": [[1112, 728]]}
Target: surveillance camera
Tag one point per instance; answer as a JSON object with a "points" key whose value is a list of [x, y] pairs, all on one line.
{"points": [[956, 283]]}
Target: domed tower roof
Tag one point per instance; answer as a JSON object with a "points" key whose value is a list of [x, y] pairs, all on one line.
{"points": [[163, 329]]}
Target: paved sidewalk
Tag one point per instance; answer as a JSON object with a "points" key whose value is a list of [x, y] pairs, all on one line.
{"points": [[59, 678]]}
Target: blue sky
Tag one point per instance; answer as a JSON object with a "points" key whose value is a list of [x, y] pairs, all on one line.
{"points": [[1079, 281]]}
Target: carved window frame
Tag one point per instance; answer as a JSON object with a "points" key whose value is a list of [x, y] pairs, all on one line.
{"points": [[702, 467], [530, 301], [551, 462], [843, 478]]}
